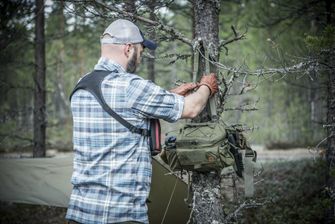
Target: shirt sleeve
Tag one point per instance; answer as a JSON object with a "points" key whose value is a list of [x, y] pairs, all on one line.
{"points": [[152, 101]]}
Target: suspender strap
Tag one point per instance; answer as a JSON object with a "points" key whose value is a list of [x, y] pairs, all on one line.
{"points": [[211, 104], [212, 101], [195, 65], [92, 83], [249, 173]]}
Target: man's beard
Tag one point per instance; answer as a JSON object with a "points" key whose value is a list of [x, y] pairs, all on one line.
{"points": [[132, 63]]}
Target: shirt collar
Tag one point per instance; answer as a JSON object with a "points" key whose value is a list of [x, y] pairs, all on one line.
{"points": [[109, 65]]}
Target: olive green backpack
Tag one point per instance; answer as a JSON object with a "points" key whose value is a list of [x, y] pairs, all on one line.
{"points": [[206, 147]]}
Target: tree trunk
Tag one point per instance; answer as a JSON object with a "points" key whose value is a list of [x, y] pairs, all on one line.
{"points": [[206, 18], [330, 153], [207, 199], [152, 36], [61, 103], [39, 78], [78, 52]]}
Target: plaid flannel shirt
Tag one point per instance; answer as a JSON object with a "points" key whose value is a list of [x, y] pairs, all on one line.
{"points": [[112, 166]]}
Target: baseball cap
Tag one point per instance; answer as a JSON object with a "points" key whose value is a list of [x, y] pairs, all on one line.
{"points": [[123, 31]]}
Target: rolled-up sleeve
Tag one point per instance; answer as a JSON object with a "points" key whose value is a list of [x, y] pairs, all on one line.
{"points": [[152, 101]]}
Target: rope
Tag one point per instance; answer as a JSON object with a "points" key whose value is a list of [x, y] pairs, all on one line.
{"points": [[168, 205]]}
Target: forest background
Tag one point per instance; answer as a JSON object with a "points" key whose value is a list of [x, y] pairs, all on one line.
{"points": [[282, 109], [278, 108]]}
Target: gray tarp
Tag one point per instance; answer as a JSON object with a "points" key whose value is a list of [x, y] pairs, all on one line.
{"points": [[46, 181]]}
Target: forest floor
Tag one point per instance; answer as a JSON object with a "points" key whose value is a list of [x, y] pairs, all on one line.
{"points": [[13, 213], [277, 155]]}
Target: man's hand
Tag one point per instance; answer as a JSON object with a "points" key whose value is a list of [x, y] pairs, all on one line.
{"points": [[184, 89], [211, 82]]}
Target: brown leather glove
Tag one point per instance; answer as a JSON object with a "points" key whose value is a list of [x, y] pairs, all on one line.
{"points": [[211, 82], [184, 89]]}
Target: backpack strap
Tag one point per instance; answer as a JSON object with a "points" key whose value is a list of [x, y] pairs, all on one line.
{"points": [[92, 83], [249, 161]]}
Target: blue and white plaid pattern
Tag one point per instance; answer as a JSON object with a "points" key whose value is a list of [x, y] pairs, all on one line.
{"points": [[112, 166]]}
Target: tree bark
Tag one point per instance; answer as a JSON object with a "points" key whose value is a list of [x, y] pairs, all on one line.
{"points": [[207, 198], [206, 18], [39, 78]]}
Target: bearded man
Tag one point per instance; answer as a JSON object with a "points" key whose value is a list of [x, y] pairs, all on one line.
{"points": [[112, 163]]}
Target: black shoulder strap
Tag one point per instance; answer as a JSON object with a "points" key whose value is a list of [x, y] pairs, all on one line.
{"points": [[92, 83]]}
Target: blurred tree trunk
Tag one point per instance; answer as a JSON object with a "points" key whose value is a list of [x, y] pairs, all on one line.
{"points": [[330, 154], [39, 79], [78, 52], [61, 103], [207, 199], [152, 36]]}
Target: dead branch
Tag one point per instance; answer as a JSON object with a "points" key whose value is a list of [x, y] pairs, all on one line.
{"points": [[223, 93], [302, 66], [177, 56], [236, 37], [242, 109], [245, 205], [328, 125], [160, 26]]}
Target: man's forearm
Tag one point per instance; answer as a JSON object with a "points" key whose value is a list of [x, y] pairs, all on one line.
{"points": [[195, 102]]}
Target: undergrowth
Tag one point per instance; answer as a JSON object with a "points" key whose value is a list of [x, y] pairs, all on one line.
{"points": [[294, 191]]}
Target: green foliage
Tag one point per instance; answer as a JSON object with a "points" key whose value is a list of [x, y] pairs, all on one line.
{"points": [[332, 171], [291, 107], [16, 57], [323, 41], [59, 136], [295, 191]]}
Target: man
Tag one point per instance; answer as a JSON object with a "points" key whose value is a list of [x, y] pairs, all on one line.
{"points": [[112, 166]]}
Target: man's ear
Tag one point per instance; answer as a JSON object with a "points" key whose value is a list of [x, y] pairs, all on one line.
{"points": [[127, 50]]}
